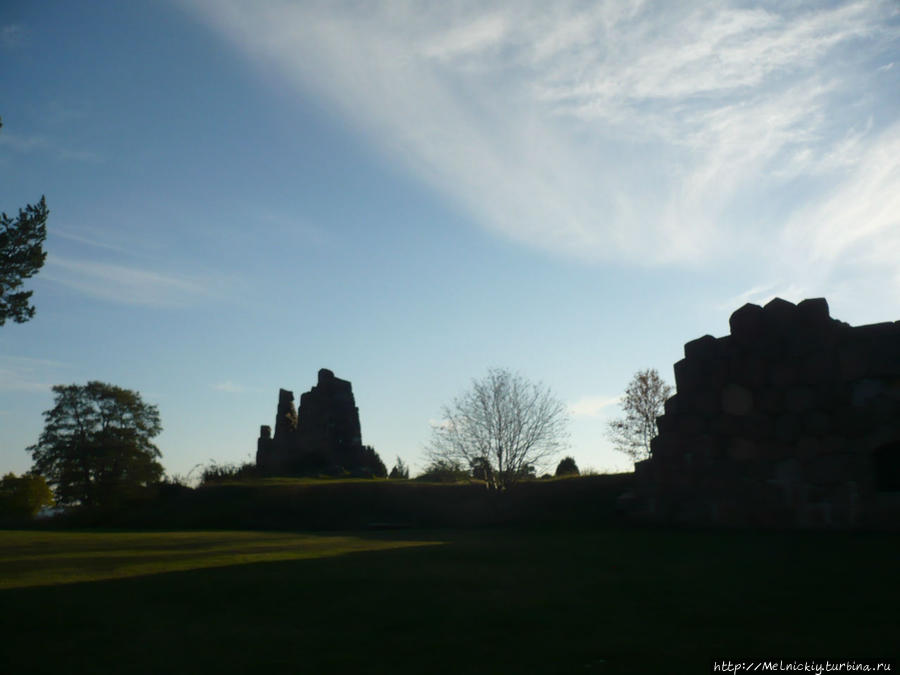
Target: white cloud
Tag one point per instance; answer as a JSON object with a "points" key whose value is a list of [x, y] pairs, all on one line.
{"points": [[229, 387], [592, 406], [126, 285], [853, 234], [628, 132], [474, 38]]}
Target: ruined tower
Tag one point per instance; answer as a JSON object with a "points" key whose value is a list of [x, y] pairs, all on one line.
{"points": [[322, 437]]}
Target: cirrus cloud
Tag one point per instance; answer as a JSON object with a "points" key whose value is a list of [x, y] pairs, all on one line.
{"points": [[639, 132]]}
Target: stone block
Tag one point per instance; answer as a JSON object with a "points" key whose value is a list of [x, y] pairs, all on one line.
{"points": [[769, 400], [688, 377], [814, 312], [666, 423], [643, 470], [727, 425], [671, 405], [825, 470], [830, 445], [779, 316], [742, 450], [702, 349], [818, 366], [751, 372], [808, 446], [787, 428], [727, 347], [746, 323], [884, 360], [892, 389], [757, 426], [694, 425], [853, 362], [782, 375], [706, 446], [708, 402], [876, 332], [667, 445], [799, 399], [864, 391], [736, 400], [817, 422]]}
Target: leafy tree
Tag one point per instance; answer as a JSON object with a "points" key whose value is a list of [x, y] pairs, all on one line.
{"points": [[21, 256], [96, 445], [23, 496], [567, 467], [643, 402], [400, 470], [503, 426]]}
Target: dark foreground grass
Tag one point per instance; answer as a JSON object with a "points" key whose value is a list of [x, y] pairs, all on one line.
{"points": [[490, 601]]}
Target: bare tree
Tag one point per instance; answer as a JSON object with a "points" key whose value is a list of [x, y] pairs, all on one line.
{"points": [[504, 425], [643, 402]]}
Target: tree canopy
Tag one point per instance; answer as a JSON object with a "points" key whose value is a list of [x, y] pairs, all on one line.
{"points": [[21, 256], [400, 470], [502, 427], [96, 445], [23, 496], [643, 402]]}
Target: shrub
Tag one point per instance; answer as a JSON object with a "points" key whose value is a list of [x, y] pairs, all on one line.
{"points": [[219, 473], [23, 496], [567, 467], [443, 471]]}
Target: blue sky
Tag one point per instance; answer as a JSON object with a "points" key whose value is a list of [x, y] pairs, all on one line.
{"points": [[410, 193]]}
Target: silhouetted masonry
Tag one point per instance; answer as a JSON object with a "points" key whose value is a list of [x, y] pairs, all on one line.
{"points": [[792, 420], [324, 438]]}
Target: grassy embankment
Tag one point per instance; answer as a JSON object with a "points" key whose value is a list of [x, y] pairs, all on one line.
{"points": [[486, 601]]}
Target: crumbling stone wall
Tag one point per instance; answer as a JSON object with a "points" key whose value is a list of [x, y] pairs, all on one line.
{"points": [[322, 437], [792, 419]]}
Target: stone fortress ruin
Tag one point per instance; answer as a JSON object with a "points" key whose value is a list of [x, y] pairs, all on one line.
{"points": [[791, 420], [322, 437]]}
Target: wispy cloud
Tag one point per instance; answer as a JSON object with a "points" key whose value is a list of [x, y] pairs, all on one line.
{"points": [[760, 295], [29, 143], [26, 374], [12, 35], [88, 240], [634, 132], [592, 406], [127, 285], [229, 387]]}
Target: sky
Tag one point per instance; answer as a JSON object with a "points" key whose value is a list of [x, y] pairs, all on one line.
{"points": [[410, 193]]}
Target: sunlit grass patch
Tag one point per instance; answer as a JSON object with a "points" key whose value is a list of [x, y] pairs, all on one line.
{"points": [[47, 558]]}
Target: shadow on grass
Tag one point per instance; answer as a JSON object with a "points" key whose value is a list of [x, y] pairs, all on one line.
{"points": [[485, 602]]}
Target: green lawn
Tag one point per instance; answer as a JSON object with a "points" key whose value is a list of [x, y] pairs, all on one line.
{"points": [[48, 558], [489, 601]]}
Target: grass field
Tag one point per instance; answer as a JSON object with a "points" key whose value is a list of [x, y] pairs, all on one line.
{"points": [[483, 601]]}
